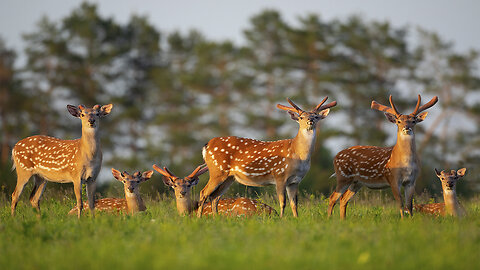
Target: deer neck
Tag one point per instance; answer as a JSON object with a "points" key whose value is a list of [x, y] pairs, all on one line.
{"points": [[404, 151], [90, 142], [134, 201], [452, 205], [185, 205], [303, 143]]}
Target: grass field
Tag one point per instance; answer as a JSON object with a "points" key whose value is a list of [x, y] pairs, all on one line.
{"points": [[373, 237]]}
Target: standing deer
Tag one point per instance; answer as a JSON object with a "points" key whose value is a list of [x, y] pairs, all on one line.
{"points": [[451, 206], [228, 207], [132, 203], [62, 161], [250, 162], [381, 167]]}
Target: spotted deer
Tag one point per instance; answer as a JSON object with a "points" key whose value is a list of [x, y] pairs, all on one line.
{"points": [[240, 207], [451, 206], [251, 162], [62, 161], [132, 203], [381, 167]]}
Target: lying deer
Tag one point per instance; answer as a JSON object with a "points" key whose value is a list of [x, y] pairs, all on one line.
{"points": [[451, 206], [250, 162], [228, 207], [62, 161], [132, 203], [381, 167]]}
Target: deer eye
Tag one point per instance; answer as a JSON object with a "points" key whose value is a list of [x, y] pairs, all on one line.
{"points": [[82, 114]]}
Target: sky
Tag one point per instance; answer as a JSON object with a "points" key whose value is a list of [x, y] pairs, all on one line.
{"points": [[456, 21]]}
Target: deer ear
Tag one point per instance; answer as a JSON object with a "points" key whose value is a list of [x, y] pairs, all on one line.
{"points": [[167, 181], [421, 117], [105, 110], [392, 118], [462, 172], [147, 175], [437, 172], [293, 115], [194, 181], [324, 113], [74, 110], [117, 175]]}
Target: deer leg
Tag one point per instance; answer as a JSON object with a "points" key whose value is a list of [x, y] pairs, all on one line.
{"points": [[77, 188], [346, 197], [409, 191], [22, 179], [396, 195], [91, 187], [207, 191], [292, 192], [37, 192], [339, 190], [281, 197], [217, 194]]}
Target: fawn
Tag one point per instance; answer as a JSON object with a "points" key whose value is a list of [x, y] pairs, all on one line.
{"points": [[62, 161], [451, 206], [228, 207], [132, 203]]}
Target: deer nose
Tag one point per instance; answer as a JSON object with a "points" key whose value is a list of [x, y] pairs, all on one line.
{"points": [[183, 193], [130, 189], [450, 184], [91, 121]]}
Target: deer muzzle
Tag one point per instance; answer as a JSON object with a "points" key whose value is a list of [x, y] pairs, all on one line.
{"points": [[407, 131]]}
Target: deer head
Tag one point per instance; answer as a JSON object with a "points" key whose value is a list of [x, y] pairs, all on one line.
{"points": [[405, 123], [131, 182], [308, 120], [449, 179], [90, 116], [181, 186]]}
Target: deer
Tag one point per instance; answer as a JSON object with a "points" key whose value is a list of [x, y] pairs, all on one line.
{"points": [[132, 203], [63, 161], [451, 206], [234, 207], [251, 162], [381, 167]]}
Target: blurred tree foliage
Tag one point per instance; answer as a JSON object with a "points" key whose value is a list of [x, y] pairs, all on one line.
{"points": [[174, 91]]}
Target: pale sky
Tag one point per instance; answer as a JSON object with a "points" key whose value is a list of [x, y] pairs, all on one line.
{"points": [[457, 21]]}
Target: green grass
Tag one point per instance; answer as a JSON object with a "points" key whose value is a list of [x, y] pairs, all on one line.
{"points": [[373, 237]]}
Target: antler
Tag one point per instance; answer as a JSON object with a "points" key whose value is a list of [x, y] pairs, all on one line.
{"points": [[392, 110], [419, 109], [198, 171], [326, 106], [286, 108], [163, 171]]}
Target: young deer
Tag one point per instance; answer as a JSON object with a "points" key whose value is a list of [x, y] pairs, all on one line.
{"points": [[132, 203], [451, 206], [61, 161], [381, 167], [250, 162], [229, 207]]}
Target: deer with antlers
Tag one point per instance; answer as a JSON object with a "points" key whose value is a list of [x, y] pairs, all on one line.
{"points": [[133, 202], [228, 207], [381, 167], [251, 162], [451, 206], [62, 161]]}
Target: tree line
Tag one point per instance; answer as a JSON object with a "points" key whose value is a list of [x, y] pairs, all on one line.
{"points": [[172, 92]]}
